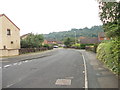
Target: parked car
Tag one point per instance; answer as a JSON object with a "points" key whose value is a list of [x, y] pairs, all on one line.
{"points": [[55, 46]]}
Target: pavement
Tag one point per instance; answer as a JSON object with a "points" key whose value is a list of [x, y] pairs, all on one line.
{"points": [[58, 68], [99, 76]]}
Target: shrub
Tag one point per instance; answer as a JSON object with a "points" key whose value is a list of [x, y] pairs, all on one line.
{"points": [[48, 46], [77, 46], [83, 46], [108, 52]]}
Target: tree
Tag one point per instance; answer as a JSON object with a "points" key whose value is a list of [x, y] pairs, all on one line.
{"points": [[68, 42], [32, 41], [110, 16]]}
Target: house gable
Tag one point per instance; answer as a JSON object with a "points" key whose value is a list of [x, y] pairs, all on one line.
{"points": [[1, 15]]}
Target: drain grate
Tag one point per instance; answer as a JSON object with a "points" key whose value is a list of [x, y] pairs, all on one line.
{"points": [[63, 82]]}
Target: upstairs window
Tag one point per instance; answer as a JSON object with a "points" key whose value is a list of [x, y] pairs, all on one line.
{"points": [[8, 32], [11, 42]]}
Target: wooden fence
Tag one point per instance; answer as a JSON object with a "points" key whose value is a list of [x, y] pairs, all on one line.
{"points": [[29, 50]]}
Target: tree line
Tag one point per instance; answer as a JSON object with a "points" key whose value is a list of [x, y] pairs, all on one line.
{"points": [[85, 32]]}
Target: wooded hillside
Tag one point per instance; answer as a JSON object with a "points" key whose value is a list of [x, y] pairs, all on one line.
{"points": [[85, 32]]}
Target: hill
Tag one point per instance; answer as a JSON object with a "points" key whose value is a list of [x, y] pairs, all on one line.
{"points": [[85, 32]]}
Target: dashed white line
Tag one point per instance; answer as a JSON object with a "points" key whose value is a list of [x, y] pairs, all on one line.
{"points": [[26, 61], [15, 63], [9, 85], [19, 63], [85, 72], [7, 66]]}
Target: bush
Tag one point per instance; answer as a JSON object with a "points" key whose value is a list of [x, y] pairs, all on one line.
{"points": [[83, 46], [108, 52], [48, 46], [77, 46]]}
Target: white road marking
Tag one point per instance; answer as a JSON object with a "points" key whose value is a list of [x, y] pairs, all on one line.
{"points": [[0, 67], [25, 61], [19, 63], [86, 80], [7, 66], [83, 71], [15, 63], [9, 85], [63, 82], [69, 77]]}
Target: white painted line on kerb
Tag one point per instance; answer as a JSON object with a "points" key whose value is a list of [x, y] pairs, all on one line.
{"points": [[86, 80], [7, 66]]}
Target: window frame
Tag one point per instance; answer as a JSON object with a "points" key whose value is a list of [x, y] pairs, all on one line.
{"points": [[8, 32]]}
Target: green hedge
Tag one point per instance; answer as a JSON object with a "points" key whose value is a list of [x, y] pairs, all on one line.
{"points": [[92, 48], [48, 46], [108, 52]]}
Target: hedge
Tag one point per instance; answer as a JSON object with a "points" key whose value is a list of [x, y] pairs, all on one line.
{"points": [[108, 52]]}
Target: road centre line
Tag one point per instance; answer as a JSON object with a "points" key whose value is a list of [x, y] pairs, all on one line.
{"points": [[15, 63], [19, 63], [7, 65], [85, 72]]}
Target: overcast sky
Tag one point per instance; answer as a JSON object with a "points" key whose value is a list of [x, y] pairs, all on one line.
{"points": [[44, 16]]}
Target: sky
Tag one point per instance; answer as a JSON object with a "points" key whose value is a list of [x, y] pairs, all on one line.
{"points": [[45, 16]]}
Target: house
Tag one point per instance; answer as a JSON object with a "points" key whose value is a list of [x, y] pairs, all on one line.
{"points": [[89, 40], [25, 36], [9, 37], [93, 40], [101, 37], [52, 42]]}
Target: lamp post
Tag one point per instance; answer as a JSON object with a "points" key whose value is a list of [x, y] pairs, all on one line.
{"points": [[75, 36]]}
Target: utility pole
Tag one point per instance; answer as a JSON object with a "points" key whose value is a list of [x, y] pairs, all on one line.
{"points": [[75, 36]]}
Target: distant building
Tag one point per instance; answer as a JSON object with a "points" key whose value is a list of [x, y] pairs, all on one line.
{"points": [[93, 40], [52, 42], [9, 37], [89, 40], [101, 37], [24, 36]]}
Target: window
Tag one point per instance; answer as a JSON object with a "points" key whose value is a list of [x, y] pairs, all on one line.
{"points": [[8, 32], [11, 42], [4, 47]]}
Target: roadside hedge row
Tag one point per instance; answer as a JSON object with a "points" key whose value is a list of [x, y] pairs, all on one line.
{"points": [[109, 53], [81, 46]]}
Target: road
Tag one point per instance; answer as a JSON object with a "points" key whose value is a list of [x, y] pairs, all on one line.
{"points": [[60, 68]]}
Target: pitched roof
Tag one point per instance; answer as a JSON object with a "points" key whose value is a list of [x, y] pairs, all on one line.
{"points": [[88, 40], [1, 15], [101, 34], [25, 35], [9, 20]]}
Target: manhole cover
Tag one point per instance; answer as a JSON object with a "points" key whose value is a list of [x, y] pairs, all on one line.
{"points": [[63, 82]]}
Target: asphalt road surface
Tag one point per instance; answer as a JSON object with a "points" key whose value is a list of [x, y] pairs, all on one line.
{"points": [[63, 69], [60, 68]]}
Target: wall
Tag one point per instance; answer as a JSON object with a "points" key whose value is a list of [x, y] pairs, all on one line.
{"points": [[9, 52], [11, 49], [15, 35], [0, 32]]}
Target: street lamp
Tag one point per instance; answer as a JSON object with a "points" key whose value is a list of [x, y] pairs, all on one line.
{"points": [[75, 36]]}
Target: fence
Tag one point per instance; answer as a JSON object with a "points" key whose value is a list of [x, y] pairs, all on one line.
{"points": [[28, 50]]}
